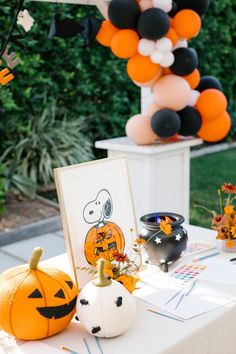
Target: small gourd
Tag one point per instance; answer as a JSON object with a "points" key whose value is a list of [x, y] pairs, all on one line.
{"points": [[104, 306], [36, 301]]}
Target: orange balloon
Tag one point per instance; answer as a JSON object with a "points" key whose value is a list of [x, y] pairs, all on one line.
{"points": [[106, 33], [167, 71], [215, 129], [124, 44], [193, 78], [211, 103], [139, 130], [172, 35], [187, 23], [142, 69], [150, 83]]}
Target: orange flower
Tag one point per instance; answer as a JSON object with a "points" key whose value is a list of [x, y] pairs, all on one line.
{"points": [[228, 209], [165, 227], [233, 231], [108, 270], [120, 257], [220, 236], [229, 188], [230, 243], [140, 241], [128, 281], [217, 219]]}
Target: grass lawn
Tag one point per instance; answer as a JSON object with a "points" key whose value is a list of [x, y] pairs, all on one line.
{"points": [[208, 173]]}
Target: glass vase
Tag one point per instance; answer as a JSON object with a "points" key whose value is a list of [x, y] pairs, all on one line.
{"points": [[229, 249]]}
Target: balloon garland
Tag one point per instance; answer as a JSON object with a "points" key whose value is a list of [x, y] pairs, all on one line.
{"points": [[153, 36]]}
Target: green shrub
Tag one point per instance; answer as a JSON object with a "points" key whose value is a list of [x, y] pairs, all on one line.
{"points": [[48, 142]]}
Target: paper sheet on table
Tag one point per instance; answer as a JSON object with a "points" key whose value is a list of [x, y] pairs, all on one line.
{"points": [[35, 347], [203, 297], [219, 270]]}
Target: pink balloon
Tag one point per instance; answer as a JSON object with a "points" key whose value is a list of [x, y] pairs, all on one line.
{"points": [[172, 91], [145, 4], [138, 129], [153, 108]]}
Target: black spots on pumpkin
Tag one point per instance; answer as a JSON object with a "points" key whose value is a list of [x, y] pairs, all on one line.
{"points": [[60, 294], [36, 294], [84, 302], [69, 283], [96, 329], [76, 318], [119, 301]]}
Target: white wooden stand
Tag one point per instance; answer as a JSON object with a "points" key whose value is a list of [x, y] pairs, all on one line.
{"points": [[159, 173]]}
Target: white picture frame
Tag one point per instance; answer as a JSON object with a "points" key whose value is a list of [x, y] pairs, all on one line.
{"points": [[97, 212]]}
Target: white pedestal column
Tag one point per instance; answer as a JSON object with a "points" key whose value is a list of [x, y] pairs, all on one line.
{"points": [[159, 173]]}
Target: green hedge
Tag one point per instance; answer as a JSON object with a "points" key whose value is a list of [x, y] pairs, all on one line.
{"points": [[90, 81]]}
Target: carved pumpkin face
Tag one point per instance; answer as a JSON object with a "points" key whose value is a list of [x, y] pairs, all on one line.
{"points": [[101, 242], [36, 302]]}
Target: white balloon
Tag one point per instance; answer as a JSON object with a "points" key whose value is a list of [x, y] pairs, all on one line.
{"points": [[182, 43], [167, 60], [164, 45], [146, 47], [156, 57], [193, 98], [165, 5]]}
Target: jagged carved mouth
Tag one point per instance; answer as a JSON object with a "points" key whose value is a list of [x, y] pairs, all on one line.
{"points": [[57, 311]]}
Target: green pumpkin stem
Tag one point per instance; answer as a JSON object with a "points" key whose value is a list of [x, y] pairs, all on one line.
{"points": [[35, 258], [101, 280]]}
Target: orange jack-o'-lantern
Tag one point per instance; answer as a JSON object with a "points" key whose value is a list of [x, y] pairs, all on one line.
{"points": [[36, 301], [101, 242]]}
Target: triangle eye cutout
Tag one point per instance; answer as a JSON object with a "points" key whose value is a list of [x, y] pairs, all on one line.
{"points": [[60, 294], [35, 294], [69, 283]]}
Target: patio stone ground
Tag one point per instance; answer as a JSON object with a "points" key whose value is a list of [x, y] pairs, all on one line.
{"points": [[19, 252]]}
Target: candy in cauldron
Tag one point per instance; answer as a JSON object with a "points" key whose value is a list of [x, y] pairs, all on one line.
{"points": [[163, 249]]}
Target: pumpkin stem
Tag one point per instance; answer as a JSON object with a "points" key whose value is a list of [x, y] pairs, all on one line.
{"points": [[101, 279], [35, 258]]}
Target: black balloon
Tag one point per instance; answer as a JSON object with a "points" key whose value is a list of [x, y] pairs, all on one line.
{"points": [[124, 13], [165, 123], [186, 60], [208, 82], [199, 6], [191, 121], [174, 9], [153, 24]]}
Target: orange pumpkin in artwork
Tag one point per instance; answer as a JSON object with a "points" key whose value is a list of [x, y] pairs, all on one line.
{"points": [[36, 301], [102, 241]]}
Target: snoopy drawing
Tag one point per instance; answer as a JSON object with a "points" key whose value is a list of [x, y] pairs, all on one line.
{"points": [[105, 236]]}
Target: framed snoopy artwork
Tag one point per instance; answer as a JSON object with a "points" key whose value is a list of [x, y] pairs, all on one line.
{"points": [[97, 212]]}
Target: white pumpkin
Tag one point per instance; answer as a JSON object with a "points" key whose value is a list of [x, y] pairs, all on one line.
{"points": [[105, 307]]}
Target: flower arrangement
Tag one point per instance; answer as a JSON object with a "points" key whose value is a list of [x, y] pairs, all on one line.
{"points": [[124, 268], [224, 222]]}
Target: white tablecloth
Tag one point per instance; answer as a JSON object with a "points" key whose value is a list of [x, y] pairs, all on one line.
{"points": [[211, 333]]}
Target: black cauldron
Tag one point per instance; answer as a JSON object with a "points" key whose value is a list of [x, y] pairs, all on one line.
{"points": [[163, 249]]}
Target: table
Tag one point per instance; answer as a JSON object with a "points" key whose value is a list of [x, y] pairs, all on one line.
{"points": [[210, 333]]}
